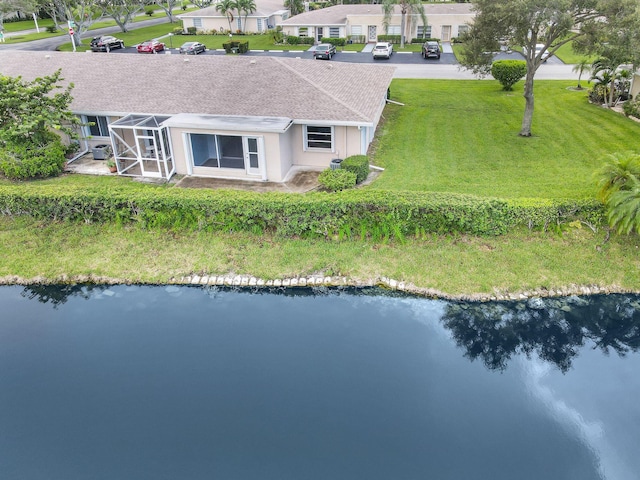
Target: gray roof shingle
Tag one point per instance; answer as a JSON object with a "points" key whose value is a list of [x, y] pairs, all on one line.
{"points": [[122, 83]]}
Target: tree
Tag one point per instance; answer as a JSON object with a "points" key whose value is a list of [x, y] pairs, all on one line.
{"points": [[246, 7], [202, 3], [294, 6], [414, 7], [582, 66], [508, 72], [552, 23], [83, 14], [30, 113], [122, 11], [618, 182], [11, 6], [226, 7], [167, 6]]}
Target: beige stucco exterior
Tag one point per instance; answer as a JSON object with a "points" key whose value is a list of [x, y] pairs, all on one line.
{"points": [[351, 21], [239, 24], [635, 86]]}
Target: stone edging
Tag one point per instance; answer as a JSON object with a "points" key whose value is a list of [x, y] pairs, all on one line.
{"points": [[332, 281]]}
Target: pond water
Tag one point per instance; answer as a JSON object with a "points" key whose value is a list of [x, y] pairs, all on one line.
{"points": [[131, 382]]}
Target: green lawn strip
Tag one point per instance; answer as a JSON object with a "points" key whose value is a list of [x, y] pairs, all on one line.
{"points": [[516, 262], [568, 56], [462, 136], [43, 23], [29, 37]]}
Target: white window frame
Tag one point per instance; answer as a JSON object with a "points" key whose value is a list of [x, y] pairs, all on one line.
{"points": [[426, 29], [305, 134], [393, 30], [197, 22], [462, 29], [239, 23], [356, 29], [334, 32], [259, 24], [303, 31]]}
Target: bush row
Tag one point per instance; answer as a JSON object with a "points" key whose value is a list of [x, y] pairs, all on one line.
{"points": [[293, 40], [395, 39], [338, 42], [242, 47], [350, 213]]}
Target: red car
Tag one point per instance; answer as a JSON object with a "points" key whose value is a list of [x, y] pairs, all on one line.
{"points": [[151, 46]]}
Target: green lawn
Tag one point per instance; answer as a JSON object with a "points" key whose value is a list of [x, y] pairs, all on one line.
{"points": [[462, 136], [43, 23], [568, 56]]}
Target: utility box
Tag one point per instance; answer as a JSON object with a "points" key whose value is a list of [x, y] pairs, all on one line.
{"points": [[335, 163], [101, 152]]}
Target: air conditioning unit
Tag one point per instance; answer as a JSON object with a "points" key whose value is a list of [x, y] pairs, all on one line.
{"points": [[101, 152]]}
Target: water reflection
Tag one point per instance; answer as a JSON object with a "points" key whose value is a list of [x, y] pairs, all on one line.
{"points": [[554, 329], [57, 295]]}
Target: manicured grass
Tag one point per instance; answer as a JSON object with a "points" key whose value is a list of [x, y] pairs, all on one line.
{"points": [[43, 23], [462, 136], [454, 265], [567, 55]]}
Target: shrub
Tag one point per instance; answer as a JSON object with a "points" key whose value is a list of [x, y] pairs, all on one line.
{"points": [[631, 108], [23, 161], [293, 40], [395, 39], [241, 47], [149, 11], [191, 30], [52, 29], [358, 164], [338, 42], [178, 31], [422, 40], [508, 72], [357, 39], [336, 180]]}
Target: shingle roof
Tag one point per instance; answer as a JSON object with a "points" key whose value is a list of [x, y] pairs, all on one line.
{"points": [[264, 8], [122, 83], [337, 14]]}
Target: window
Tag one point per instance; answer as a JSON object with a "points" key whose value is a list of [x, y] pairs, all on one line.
{"points": [[316, 137], [217, 151], [239, 23], [424, 32], [393, 30], [463, 30], [334, 32], [197, 22], [99, 126], [356, 30], [259, 22], [303, 32]]}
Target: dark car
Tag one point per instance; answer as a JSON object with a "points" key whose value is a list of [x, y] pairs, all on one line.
{"points": [[105, 43], [324, 50], [431, 50], [192, 48]]}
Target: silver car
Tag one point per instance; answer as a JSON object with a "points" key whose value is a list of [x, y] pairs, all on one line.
{"points": [[192, 48]]}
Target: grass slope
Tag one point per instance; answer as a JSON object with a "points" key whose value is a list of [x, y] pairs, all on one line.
{"points": [[462, 137]]}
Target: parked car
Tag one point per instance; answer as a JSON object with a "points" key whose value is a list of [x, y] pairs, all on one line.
{"points": [[539, 48], [192, 48], [383, 50], [324, 50], [431, 49], [105, 43], [151, 46]]}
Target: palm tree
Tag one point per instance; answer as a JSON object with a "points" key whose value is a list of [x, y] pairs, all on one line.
{"points": [[618, 182], [413, 7], [582, 66], [246, 7], [294, 6], [226, 7]]}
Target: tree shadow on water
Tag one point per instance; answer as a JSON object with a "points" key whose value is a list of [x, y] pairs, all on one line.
{"points": [[554, 329]]}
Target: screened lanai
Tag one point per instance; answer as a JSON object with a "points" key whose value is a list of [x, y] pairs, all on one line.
{"points": [[141, 146]]}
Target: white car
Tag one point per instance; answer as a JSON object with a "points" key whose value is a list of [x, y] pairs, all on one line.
{"points": [[539, 48], [383, 50]]}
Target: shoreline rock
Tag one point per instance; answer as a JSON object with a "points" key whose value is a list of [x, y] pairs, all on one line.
{"points": [[249, 281]]}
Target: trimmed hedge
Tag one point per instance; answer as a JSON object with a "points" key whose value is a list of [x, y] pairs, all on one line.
{"points": [[508, 72], [362, 213], [293, 40], [336, 180], [243, 47], [338, 42], [358, 164], [395, 39]]}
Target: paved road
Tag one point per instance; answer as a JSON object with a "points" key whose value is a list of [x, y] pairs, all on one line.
{"points": [[408, 65]]}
